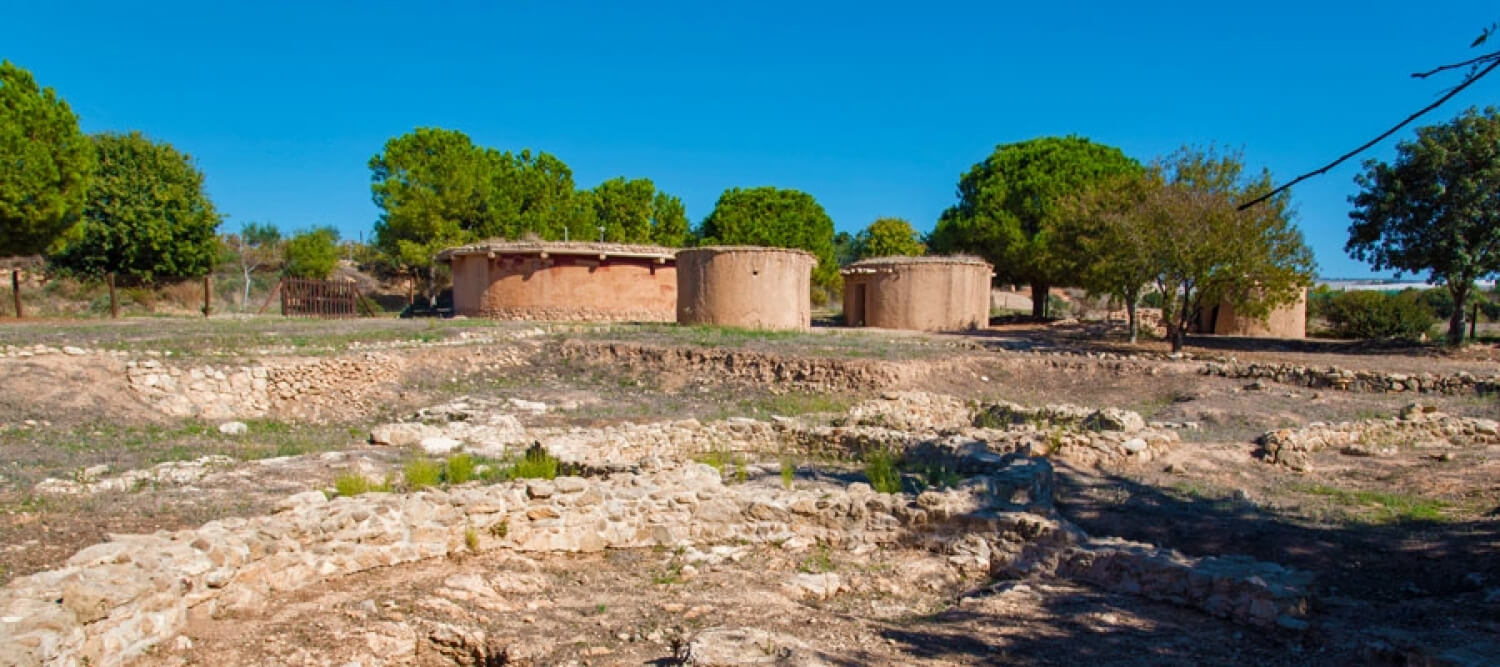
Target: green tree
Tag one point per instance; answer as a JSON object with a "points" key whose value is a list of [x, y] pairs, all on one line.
{"points": [[1008, 206], [845, 252], [45, 165], [669, 222], [435, 190], [774, 217], [1209, 251], [886, 237], [254, 247], [634, 211], [533, 194], [1436, 209], [313, 253], [1108, 237], [147, 219]]}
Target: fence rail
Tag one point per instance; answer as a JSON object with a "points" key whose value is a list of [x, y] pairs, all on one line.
{"points": [[302, 297]]}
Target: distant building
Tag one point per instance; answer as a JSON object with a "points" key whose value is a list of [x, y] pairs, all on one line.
{"points": [[745, 286], [592, 282], [919, 293], [1285, 321]]}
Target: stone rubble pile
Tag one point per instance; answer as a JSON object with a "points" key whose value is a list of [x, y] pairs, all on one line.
{"points": [[222, 392], [1333, 377], [1417, 425]]}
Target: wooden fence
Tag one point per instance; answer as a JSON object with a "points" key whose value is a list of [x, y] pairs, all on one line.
{"points": [[302, 297]]}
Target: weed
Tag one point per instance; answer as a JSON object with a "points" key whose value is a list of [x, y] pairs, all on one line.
{"points": [[600, 608], [353, 484], [939, 476], [880, 468], [421, 473], [717, 458], [741, 469], [471, 540], [536, 464], [458, 469], [788, 471], [669, 576], [500, 530], [819, 561]]}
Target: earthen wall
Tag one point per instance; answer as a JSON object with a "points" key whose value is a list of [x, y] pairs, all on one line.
{"points": [[919, 295], [757, 288], [1286, 321], [565, 287]]}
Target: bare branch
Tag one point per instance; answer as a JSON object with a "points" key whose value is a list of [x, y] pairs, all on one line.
{"points": [[1468, 81], [1466, 63]]}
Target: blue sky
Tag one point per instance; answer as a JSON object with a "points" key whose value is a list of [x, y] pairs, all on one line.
{"points": [[874, 108]]}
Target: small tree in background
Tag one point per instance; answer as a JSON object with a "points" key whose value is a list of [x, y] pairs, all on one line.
{"points": [[47, 162], [1436, 209], [147, 219], [634, 211], [887, 237], [313, 253], [256, 246], [1208, 251], [1109, 236]]}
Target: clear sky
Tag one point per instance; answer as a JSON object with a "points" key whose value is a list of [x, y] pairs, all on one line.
{"points": [[874, 108]]}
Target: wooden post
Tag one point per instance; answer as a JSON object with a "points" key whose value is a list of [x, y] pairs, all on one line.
{"points": [[114, 303], [208, 294], [15, 290]]}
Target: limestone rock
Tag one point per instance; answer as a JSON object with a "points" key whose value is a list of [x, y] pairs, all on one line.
{"points": [[233, 428], [402, 434], [439, 445]]}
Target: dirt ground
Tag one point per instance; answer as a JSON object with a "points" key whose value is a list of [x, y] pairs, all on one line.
{"points": [[1405, 548]]}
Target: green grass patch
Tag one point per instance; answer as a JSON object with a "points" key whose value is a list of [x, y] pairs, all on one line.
{"points": [[1379, 506], [819, 561]]}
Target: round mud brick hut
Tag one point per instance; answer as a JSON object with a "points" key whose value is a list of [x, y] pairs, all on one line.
{"points": [[745, 286], [1285, 321], [564, 281], [919, 293]]}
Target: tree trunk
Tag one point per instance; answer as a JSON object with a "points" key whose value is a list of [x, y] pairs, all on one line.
{"points": [[15, 290], [114, 302], [1039, 292], [1130, 312], [1473, 320], [245, 303], [1460, 294], [208, 295]]}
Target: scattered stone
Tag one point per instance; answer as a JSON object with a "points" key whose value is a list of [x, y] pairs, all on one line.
{"points": [[234, 428], [402, 434], [439, 445]]}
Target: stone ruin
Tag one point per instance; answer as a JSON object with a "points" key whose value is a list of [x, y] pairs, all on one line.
{"points": [[113, 602]]}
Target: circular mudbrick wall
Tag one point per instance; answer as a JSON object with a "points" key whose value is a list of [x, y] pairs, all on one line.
{"points": [[921, 293], [744, 286]]}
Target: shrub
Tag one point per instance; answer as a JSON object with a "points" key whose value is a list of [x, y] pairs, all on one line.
{"points": [[458, 469], [422, 473], [788, 472], [1372, 314], [536, 464], [880, 468], [353, 484]]}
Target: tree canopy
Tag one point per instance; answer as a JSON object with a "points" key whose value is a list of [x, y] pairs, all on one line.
{"points": [[886, 237], [1436, 209], [775, 217], [312, 253], [1109, 238], [1009, 204], [147, 218], [634, 211], [45, 164], [1207, 251]]}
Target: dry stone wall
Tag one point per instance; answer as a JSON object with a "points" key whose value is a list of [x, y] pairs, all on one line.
{"points": [[1341, 379], [1417, 425], [223, 392]]}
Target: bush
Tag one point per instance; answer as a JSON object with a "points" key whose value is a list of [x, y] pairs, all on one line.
{"points": [[536, 464], [458, 469], [353, 484], [880, 468], [1372, 314], [422, 473]]}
